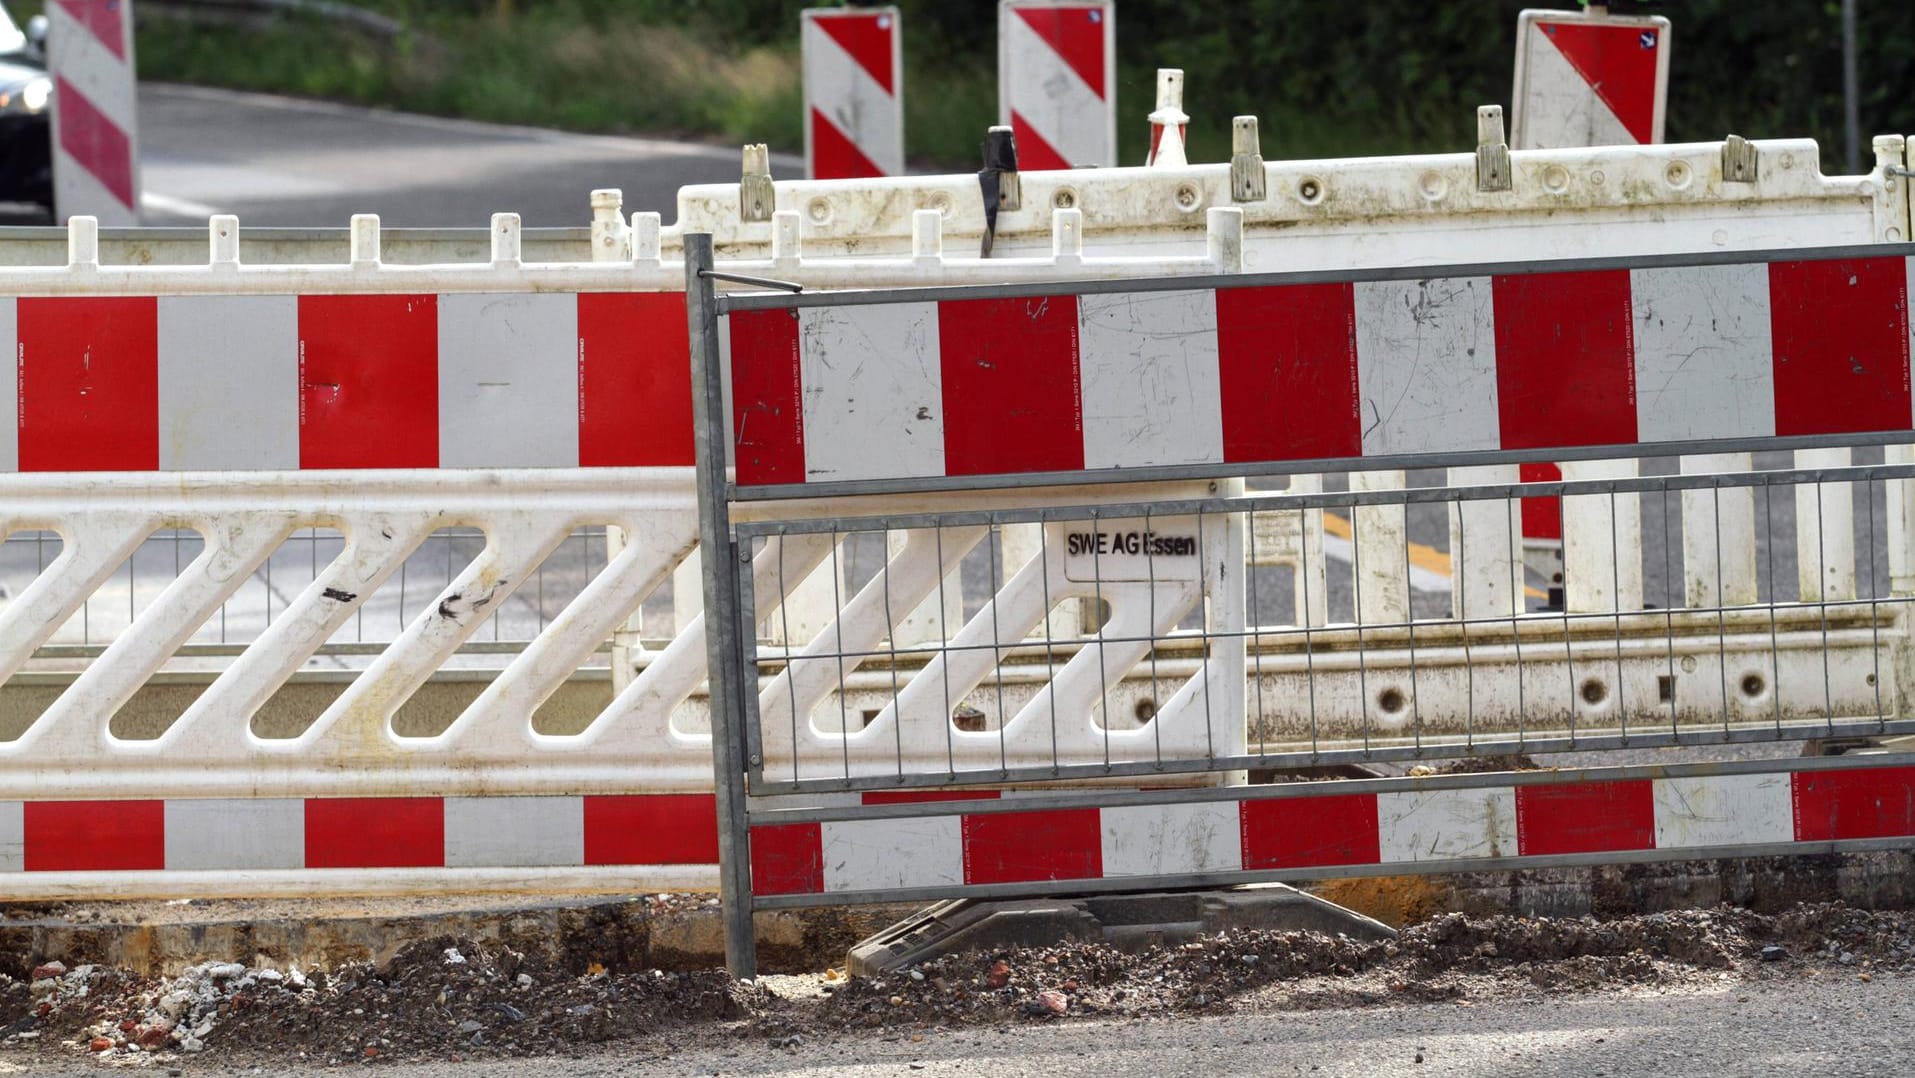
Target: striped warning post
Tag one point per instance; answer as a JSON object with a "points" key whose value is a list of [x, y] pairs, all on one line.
{"points": [[1589, 80], [1057, 81], [96, 165], [239, 383], [854, 92], [1433, 828], [1279, 373]]}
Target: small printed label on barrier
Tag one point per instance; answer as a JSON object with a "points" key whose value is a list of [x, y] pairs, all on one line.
{"points": [[1130, 550]]}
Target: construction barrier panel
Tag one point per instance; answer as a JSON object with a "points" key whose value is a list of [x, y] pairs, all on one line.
{"points": [[1142, 385], [1057, 81], [1589, 79]]}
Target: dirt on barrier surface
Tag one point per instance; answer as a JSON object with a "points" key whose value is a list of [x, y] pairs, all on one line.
{"points": [[453, 999]]}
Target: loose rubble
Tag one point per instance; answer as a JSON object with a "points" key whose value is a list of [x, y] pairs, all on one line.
{"points": [[453, 999]]}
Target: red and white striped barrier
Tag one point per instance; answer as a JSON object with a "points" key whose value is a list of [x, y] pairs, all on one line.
{"points": [[1057, 81], [1296, 372], [248, 383], [96, 137], [1589, 80], [1415, 829], [854, 92], [263, 834]]}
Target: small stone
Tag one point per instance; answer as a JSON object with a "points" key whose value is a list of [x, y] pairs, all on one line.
{"points": [[153, 1037], [897, 1001], [129, 1026], [470, 1026], [1250, 959], [1846, 959], [917, 975], [1054, 1001], [48, 969], [222, 971], [1418, 1059], [1863, 977], [524, 980], [453, 957], [1000, 974], [192, 1044], [269, 976], [1774, 952], [372, 1051]]}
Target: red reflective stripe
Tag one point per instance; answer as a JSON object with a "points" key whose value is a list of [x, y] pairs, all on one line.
{"points": [[103, 19], [90, 137], [1034, 153], [635, 386], [1585, 817], [1616, 65], [1565, 361], [94, 836], [1287, 372], [787, 859], [651, 829], [1303, 832], [1542, 517], [866, 38], [836, 157], [369, 381], [916, 797], [767, 398], [1012, 398], [1841, 345], [375, 832], [1076, 34], [1012, 847], [1877, 802], [88, 384]]}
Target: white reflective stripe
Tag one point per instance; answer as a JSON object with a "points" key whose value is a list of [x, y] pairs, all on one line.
{"points": [[235, 834], [1426, 365], [838, 86], [228, 382], [1724, 810], [514, 832], [1148, 361], [1067, 112], [508, 381], [86, 62], [1439, 825], [13, 836], [1151, 840], [1705, 356], [861, 855], [873, 391], [10, 385], [1560, 108]]}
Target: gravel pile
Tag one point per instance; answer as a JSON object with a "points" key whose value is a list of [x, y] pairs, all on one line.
{"points": [[454, 999]]}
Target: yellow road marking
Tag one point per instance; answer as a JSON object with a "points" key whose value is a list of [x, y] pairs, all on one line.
{"points": [[1422, 555]]}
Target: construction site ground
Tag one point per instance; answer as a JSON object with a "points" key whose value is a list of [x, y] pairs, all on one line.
{"points": [[1810, 988]]}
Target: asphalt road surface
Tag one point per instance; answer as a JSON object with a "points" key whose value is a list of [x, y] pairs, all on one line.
{"points": [[1811, 1026], [278, 161]]}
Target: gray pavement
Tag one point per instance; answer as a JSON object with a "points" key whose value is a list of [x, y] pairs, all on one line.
{"points": [[1791, 1025], [278, 161]]}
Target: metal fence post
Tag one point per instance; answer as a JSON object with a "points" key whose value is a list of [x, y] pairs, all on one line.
{"points": [[721, 611]]}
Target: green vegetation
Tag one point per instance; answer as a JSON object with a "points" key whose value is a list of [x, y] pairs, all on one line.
{"points": [[1326, 79]]}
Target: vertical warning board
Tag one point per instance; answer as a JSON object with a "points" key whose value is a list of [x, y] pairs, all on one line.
{"points": [[854, 93], [1057, 81], [96, 142], [1589, 80]]}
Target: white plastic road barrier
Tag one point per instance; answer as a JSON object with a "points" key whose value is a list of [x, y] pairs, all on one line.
{"points": [[1057, 81], [1589, 79], [854, 92], [96, 137]]}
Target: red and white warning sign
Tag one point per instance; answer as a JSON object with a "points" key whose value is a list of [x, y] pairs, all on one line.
{"points": [[1057, 81], [854, 93], [1589, 79], [96, 161]]}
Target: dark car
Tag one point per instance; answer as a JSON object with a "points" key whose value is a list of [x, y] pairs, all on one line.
{"points": [[26, 146]]}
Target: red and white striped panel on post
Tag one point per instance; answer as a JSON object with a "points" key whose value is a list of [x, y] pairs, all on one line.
{"points": [[1259, 371], [251, 383], [1057, 81], [96, 137], [854, 92], [1427, 828], [1589, 80]]}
